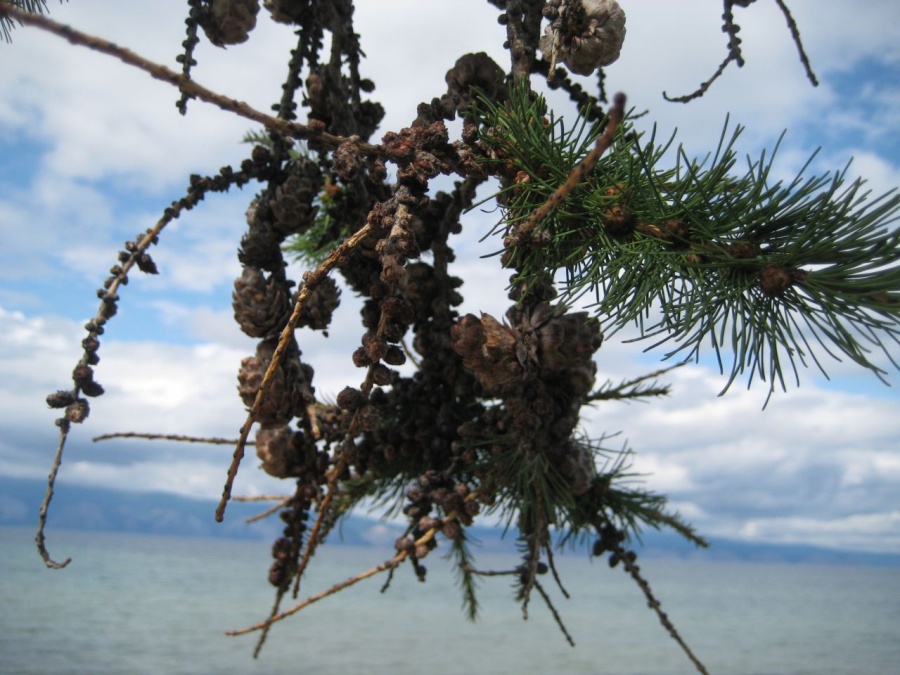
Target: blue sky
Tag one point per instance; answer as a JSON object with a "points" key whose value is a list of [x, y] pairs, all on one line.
{"points": [[92, 151]]}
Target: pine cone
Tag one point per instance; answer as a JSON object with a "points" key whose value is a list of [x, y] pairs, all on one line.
{"points": [[261, 246], [287, 11], [277, 451], [291, 204], [567, 344], [588, 42], [319, 307], [488, 349], [290, 392], [261, 306], [229, 22]]}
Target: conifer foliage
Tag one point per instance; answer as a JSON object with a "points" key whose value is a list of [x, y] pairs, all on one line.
{"points": [[770, 276]]}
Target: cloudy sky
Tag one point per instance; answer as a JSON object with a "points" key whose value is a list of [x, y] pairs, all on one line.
{"points": [[92, 151]]}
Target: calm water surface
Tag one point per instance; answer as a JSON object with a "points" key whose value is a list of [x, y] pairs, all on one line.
{"points": [[140, 604]]}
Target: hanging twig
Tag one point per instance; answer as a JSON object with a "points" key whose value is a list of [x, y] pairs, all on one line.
{"points": [[48, 495]]}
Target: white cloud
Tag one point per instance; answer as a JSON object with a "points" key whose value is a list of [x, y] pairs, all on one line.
{"points": [[817, 466]]}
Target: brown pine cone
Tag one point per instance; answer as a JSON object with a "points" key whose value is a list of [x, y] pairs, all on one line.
{"points": [[319, 307], [277, 451], [292, 203], [290, 392], [229, 22], [261, 306], [286, 11]]}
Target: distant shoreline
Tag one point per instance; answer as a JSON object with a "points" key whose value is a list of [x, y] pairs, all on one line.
{"points": [[77, 508]]}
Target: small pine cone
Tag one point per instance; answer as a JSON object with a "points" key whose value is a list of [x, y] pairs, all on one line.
{"points": [[261, 245], [589, 44], [292, 203], [319, 307], [619, 221], [287, 11], [60, 399], [488, 349], [78, 411], [568, 341], [277, 451], [229, 22], [261, 306], [775, 280], [290, 391]]}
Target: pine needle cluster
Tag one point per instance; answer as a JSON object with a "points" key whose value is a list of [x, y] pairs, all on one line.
{"points": [[768, 276]]}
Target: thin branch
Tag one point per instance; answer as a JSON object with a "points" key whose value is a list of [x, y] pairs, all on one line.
{"points": [[556, 616], [64, 424], [703, 88], [268, 512], [795, 33], [167, 437], [654, 604], [187, 86], [263, 498], [386, 565], [48, 495]]}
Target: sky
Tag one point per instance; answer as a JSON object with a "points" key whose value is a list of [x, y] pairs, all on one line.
{"points": [[91, 151]]}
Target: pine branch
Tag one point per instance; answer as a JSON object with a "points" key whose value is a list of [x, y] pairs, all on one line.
{"points": [[31, 6], [769, 275], [465, 576]]}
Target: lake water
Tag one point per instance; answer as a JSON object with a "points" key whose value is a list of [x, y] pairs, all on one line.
{"points": [[141, 604]]}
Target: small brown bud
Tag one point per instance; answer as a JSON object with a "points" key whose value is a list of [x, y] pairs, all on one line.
{"points": [[375, 345], [350, 399], [395, 356], [60, 399], [78, 411], [774, 280], [382, 375]]}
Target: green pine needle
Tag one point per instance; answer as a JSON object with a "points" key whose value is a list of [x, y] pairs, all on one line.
{"points": [[701, 256]]}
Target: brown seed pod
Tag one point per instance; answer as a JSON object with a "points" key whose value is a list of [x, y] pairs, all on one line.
{"points": [[350, 398], [261, 305], [276, 450], [775, 280], [60, 399], [78, 411], [229, 22]]}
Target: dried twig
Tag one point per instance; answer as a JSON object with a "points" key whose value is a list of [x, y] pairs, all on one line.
{"points": [[48, 495], [268, 512], [166, 437], [795, 33], [386, 565], [654, 604], [187, 86], [734, 48]]}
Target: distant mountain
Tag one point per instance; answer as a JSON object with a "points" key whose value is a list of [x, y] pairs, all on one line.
{"points": [[81, 508]]}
